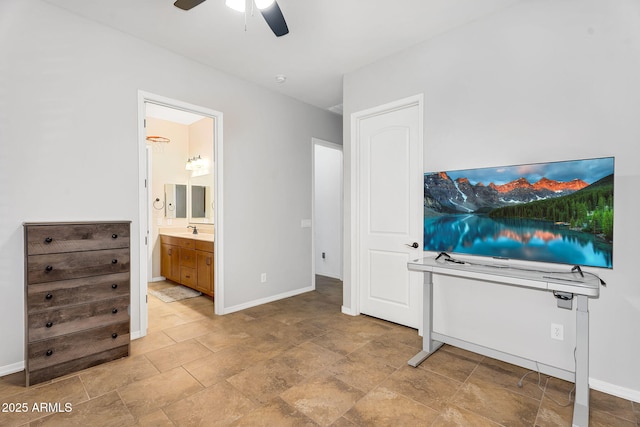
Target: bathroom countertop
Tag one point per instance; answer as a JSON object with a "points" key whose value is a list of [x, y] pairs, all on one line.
{"points": [[207, 237]]}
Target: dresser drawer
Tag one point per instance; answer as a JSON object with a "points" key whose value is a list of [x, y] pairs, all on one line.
{"points": [[75, 365], [59, 238], [52, 267], [44, 296], [55, 322], [47, 353]]}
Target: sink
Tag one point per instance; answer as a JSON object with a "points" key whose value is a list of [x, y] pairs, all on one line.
{"points": [[207, 237]]}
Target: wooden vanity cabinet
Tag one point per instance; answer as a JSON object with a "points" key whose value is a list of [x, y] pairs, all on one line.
{"points": [[170, 260], [188, 262], [204, 253], [77, 291]]}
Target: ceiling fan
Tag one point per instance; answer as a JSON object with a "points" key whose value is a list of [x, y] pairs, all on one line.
{"points": [[268, 8]]}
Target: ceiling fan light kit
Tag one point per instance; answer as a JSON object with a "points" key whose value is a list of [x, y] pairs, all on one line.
{"points": [[268, 8], [264, 4], [237, 5]]}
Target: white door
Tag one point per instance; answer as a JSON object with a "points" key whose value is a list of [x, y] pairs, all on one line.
{"points": [[390, 213]]}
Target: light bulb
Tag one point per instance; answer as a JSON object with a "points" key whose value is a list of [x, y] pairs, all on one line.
{"points": [[263, 4], [238, 5]]}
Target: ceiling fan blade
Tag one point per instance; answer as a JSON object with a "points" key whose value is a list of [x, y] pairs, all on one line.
{"points": [[274, 17], [187, 4]]}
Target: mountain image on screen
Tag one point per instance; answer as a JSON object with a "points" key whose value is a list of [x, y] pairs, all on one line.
{"points": [[559, 212]]}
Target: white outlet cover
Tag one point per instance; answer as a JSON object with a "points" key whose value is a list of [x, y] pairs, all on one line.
{"points": [[557, 332]]}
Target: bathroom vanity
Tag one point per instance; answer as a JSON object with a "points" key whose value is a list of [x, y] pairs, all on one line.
{"points": [[187, 259]]}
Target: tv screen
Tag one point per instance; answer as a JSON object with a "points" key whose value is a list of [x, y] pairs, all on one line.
{"points": [[557, 212]]}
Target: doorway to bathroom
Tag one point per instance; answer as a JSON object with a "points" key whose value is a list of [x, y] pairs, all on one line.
{"points": [[182, 169]]}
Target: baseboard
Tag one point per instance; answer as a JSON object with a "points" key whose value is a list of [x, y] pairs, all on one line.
{"points": [[349, 311], [330, 276], [11, 369], [615, 390], [158, 279], [135, 335], [254, 303]]}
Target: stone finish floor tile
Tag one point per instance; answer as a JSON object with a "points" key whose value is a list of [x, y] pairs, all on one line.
{"points": [[453, 416], [266, 380], [218, 405], [301, 362], [156, 418], [178, 354], [113, 375], [67, 391], [145, 396], [426, 387], [276, 412], [383, 407], [497, 403], [323, 398], [107, 410], [457, 365]]}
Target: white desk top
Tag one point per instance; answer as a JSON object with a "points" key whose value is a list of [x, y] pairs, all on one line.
{"points": [[518, 275]]}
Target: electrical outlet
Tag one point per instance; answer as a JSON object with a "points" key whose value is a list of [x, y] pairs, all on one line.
{"points": [[263, 278], [557, 332]]}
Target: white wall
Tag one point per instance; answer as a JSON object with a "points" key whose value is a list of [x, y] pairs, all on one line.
{"points": [[328, 209], [68, 135], [167, 167], [540, 81]]}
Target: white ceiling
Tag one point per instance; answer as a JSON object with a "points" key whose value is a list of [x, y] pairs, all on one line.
{"points": [[327, 39]]}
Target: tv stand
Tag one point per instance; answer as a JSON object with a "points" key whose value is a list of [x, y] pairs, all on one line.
{"points": [[573, 282]]}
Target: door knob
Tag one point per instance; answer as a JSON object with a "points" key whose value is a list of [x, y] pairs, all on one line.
{"points": [[414, 245]]}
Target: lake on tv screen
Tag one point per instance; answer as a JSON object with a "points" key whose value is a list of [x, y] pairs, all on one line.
{"points": [[513, 238]]}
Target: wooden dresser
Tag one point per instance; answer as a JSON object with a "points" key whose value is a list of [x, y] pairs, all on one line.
{"points": [[76, 296]]}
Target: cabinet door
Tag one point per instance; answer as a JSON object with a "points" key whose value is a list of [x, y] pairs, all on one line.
{"points": [[170, 262], [205, 272]]}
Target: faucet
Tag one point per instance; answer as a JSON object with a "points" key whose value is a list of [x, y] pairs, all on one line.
{"points": [[195, 230]]}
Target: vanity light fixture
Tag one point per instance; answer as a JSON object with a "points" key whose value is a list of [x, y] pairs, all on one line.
{"points": [[194, 163]]}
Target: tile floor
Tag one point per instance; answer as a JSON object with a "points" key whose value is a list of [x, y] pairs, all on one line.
{"points": [[295, 362]]}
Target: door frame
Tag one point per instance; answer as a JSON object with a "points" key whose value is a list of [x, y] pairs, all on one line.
{"points": [[355, 187], [144, 200]]}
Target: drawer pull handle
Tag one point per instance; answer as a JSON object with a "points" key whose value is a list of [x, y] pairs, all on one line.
{"points": [[49, 324], [48, 296], [114, 311], [114, 236], [48, 240], [114, 335], [49, 353], [49, 268], [114, 286], [114, 261]]}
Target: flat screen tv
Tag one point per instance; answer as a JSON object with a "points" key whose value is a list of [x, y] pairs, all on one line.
{"points": [[556, 212]]}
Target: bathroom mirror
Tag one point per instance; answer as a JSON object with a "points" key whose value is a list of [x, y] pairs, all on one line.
{"points": [[201, 199], [175, 201]]}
